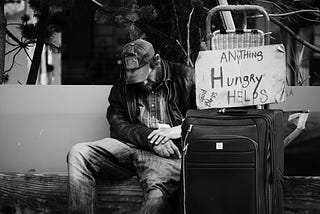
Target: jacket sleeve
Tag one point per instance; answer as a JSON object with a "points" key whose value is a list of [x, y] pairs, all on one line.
{"points": [[192, 88], [121, 126], [187, 85]]}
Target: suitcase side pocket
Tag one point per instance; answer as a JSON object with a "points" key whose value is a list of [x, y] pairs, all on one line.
{"points": [[220, 173]]}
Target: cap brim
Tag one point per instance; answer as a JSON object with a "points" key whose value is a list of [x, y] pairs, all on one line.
{"points": [[138, 75]]}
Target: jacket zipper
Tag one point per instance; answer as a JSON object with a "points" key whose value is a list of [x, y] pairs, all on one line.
{"points": [[167, 104], [185, 148], [128, 106]]}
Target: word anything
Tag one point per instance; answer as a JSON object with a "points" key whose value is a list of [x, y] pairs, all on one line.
{"points": [[238, 55]]}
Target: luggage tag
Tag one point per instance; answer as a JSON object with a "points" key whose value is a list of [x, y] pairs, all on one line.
{"points": [[219, 145]]}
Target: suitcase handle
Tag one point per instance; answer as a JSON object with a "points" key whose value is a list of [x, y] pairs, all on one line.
{"points": [[236, 8], [233, 111]]}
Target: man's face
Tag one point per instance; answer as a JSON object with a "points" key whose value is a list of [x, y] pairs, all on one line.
{"points": [[150, 82]]}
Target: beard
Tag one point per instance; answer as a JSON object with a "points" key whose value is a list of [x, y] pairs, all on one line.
{"points": [[153, 80], [147, 86]]}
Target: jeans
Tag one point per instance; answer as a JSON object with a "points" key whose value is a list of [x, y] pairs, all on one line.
{"points": [[111, 159]]}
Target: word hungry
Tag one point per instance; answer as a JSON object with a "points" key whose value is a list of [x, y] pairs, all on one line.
{"points": [[218, 80], [245, 81]]}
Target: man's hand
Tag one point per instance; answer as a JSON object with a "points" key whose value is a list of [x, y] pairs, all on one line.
{"points": [[163, 135], [168, 149]]}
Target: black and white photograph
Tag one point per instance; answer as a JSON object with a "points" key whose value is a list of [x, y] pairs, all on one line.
{"points": [[159, 107]]}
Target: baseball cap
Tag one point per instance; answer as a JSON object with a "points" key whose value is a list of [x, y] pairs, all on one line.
{"points": [[135, 57]]}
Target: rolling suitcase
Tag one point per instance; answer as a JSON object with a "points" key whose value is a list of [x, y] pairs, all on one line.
{"points": [[232, 159], [232, 162]]}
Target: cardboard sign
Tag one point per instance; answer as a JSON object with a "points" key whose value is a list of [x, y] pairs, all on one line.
{"points": [[240, 77]]}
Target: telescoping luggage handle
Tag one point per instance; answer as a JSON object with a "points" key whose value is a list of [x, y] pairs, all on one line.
{"points": [[238, 8]]}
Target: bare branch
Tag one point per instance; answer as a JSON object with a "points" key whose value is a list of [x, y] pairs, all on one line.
{"points": [[177, 20], [9, 43], [97, 3], [188, 36], [273, 3], [14, 38], [167, 37], [29, 43], [13, 61], [53, 45], [288, 13], [27, 54], [297, 38], [281, 7], [157, 31], [19, 24], [12, 50], [309, 20], [185, 53]]}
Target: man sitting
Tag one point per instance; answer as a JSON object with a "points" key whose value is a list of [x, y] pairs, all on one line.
{"points": [[146, 110]]}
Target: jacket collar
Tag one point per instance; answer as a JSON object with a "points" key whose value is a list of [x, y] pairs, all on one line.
{"points": [[166, 71]]}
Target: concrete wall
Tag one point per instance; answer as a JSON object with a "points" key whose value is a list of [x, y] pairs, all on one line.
{"points": [[300, 98], [38, 124]]}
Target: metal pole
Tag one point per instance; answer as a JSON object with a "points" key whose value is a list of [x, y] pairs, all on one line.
{"points": [[226, 16]]}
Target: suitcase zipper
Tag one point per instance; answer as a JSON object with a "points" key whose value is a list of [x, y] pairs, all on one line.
{"points": [[185, 146], [185, 149], [271, 198]]}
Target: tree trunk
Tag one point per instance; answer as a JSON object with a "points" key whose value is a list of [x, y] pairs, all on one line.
{"points": [[36, 59], [3, 23]]}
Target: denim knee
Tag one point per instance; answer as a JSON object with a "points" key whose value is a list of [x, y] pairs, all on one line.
{"points": [[78, 152]]}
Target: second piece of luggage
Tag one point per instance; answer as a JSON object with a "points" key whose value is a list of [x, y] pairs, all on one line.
{"points": [[233, 162]]}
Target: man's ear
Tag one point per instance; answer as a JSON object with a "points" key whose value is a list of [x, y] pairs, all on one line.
{"points": [[156, 60]]}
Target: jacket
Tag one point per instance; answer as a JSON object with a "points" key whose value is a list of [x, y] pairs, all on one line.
{"points": [[122, 111]]}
